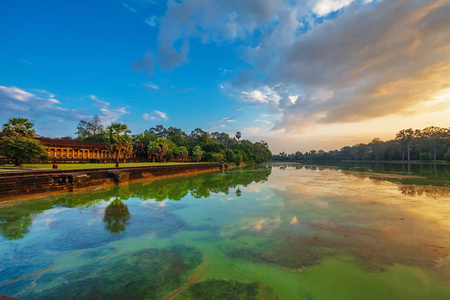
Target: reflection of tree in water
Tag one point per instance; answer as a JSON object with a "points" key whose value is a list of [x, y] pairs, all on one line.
{"points": [[202, 185], [419, 190], [16, 230], [15, 219], [116, 216]]}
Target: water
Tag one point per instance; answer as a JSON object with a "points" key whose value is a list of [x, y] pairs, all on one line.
{"points": [[267, 232]]}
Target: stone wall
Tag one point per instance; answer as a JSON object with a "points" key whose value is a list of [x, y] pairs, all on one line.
{"points": [[21, 184]]}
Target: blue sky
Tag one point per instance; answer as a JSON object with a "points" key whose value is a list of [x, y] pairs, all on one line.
{"points": [[301, 75]]}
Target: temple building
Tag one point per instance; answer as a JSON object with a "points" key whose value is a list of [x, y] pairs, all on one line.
{"points": [[70, 151], [76, 151]]}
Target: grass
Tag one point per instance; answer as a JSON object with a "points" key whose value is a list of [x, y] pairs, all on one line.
{"points": [[89, 166]]}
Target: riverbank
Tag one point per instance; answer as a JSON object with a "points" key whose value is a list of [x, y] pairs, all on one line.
{"points": [[27, 183]]}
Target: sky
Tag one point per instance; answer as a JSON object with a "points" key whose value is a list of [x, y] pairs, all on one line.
{"points": [[298, 74]]}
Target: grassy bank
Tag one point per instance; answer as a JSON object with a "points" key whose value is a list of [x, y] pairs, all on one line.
{"points": [[88, 165]]}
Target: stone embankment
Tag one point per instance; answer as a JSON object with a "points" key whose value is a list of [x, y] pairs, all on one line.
{"points": [[42, 182]]}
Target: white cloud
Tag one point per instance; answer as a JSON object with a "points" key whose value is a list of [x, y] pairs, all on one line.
{"points": [[374, 59], [151, 86], [209, 20], [324, 7], [109, 116], [18, 102], [161, 115], [99, 103], [152, 21], [156, 115], [228, 120], [15, 93], [130, 8], [147, 117]]}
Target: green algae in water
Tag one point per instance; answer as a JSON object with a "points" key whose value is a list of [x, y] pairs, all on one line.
{"points": [[289, 232], [220, 289], [145, 274]]}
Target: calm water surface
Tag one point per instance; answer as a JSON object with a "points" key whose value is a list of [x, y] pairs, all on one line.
{"points": [[266, 232]]}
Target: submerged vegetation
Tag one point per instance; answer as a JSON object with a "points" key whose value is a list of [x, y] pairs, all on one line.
{"points": [[429, 144]]}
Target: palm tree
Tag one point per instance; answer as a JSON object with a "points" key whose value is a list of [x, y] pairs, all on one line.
{"points": [[158, 148], [238, 136], [18, 127], [118, 139]]}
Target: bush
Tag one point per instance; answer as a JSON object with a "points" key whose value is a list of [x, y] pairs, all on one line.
{"points": [[217, 157], [229, 156], [447, 156], [426, 156]]}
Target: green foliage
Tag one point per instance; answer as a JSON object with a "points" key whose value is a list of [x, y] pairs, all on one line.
{"points": [[183, 153], [447, 156], [217, 157], [172, 150], [197, 153], [158, 148], [238, 135], [199, 137], [86, 130], [145, 137], [118, 140], [230, 156], [23, 149], [214, 147], [430, 143], [18, 127]]}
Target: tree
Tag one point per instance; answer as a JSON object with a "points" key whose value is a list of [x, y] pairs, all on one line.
{"points": [[95, 127], [238, 135], [434, 135], [83, 130], [18, 127], [199, 137], [197, 153], [158, 148], [118, 140], [23, 149], [183, 153], [159, 131], [405, 136], [377, 148], [90, 129]]}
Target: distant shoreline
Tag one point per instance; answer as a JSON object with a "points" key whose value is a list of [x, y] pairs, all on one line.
{"points": [[405, 162]]}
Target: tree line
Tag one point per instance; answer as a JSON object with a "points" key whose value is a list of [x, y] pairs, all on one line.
{"points": [[429, 144], [155, 144], [162, 144]]}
